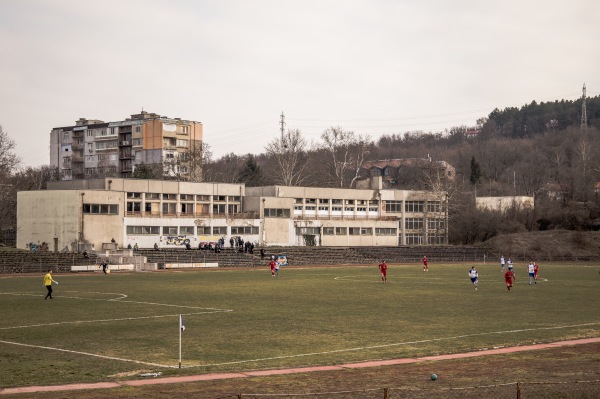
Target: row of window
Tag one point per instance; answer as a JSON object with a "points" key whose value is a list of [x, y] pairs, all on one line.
{"points": [[359, 231], [189, 230], [182, 207], [113, 131], [416, 239], [334, 208], [277, 213], [419, 223], [335, 201], [413, 206], [184, 197], [101, 209]]}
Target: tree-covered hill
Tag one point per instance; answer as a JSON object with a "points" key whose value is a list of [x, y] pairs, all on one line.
{"points": [[533, 119]]}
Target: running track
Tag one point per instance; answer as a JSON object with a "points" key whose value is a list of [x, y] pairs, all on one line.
{"points": [[262, 373]]}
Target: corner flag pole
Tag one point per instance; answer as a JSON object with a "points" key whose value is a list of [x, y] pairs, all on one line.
{"points": [[181, 328]]}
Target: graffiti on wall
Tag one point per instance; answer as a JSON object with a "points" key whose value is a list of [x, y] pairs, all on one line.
{"points": [[177, 240]]}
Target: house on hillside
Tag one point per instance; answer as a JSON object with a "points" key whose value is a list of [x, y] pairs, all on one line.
{"points": [[502, 204], [406, 172]]}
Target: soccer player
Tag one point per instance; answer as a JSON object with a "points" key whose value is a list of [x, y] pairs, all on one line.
{"points": [[273, 265], [474, 277], [48, 283], [531, 271], [383, 271], [425, 269], [510, 264], [509, 278], [502, 262], [535, 272]]}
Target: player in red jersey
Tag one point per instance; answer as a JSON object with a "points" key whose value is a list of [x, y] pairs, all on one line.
{"points": [[535, 272], [425, 269], [509, 278], [383, 270], [273, 265]]}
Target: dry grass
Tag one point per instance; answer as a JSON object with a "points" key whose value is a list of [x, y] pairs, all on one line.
{"points": [[552, 244]]}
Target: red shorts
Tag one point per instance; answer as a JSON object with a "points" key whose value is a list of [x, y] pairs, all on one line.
{"points": [[384, 273], [509, 283]]}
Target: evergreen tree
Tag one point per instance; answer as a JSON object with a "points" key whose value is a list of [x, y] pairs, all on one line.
{"points": [[143, 171], [251, 174], [475, 171]]}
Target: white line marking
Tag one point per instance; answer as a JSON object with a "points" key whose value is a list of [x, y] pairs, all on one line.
{"points": [[87, 354], [119, 319], [394, 344], [204, 310]]}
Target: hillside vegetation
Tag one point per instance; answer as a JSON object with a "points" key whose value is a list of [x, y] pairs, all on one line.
{"points": [[552, 244]]}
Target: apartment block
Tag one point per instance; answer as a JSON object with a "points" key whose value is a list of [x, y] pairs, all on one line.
{"points": [[92, 148]]}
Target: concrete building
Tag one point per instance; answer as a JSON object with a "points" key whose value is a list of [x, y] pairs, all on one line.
{"points": [[407, 172], [89, 214], [93, 148]]}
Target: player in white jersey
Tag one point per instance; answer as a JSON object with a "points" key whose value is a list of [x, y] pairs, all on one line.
{"points": [[502, 262], [531, 271], [473, 275]]}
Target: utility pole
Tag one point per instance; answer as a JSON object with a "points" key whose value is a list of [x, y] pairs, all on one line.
{"points": [[583, 111], [282, 124]]}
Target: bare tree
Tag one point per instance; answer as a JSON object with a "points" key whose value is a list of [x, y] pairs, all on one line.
{"points": [[347, 153], [35, 178], [225, 169], [9, 164], [289, 154], [189, 162], [9, 161]]}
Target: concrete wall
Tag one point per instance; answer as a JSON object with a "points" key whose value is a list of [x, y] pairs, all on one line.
{"points": [[43, 216]]}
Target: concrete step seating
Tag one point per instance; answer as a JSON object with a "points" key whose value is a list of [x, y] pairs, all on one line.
{"points": [[39, 262]]}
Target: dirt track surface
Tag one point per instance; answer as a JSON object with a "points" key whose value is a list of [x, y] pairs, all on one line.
{"points": [[565, 361]]}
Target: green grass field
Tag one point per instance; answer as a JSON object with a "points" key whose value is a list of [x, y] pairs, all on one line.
{"points": [[105, 327]]}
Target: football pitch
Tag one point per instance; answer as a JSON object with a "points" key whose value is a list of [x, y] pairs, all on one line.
{"points": [[105, 327]]}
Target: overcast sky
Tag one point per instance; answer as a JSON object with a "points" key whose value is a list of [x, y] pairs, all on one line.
{"points": [[371, 66]]}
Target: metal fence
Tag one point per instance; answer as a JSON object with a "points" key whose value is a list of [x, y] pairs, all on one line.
{"points": [[518, 390]]}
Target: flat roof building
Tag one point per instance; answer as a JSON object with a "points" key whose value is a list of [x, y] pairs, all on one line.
{"points": [[87, 214]]}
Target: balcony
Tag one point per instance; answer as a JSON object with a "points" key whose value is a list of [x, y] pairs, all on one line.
{"points": [[106, 137], [125, 143]]}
